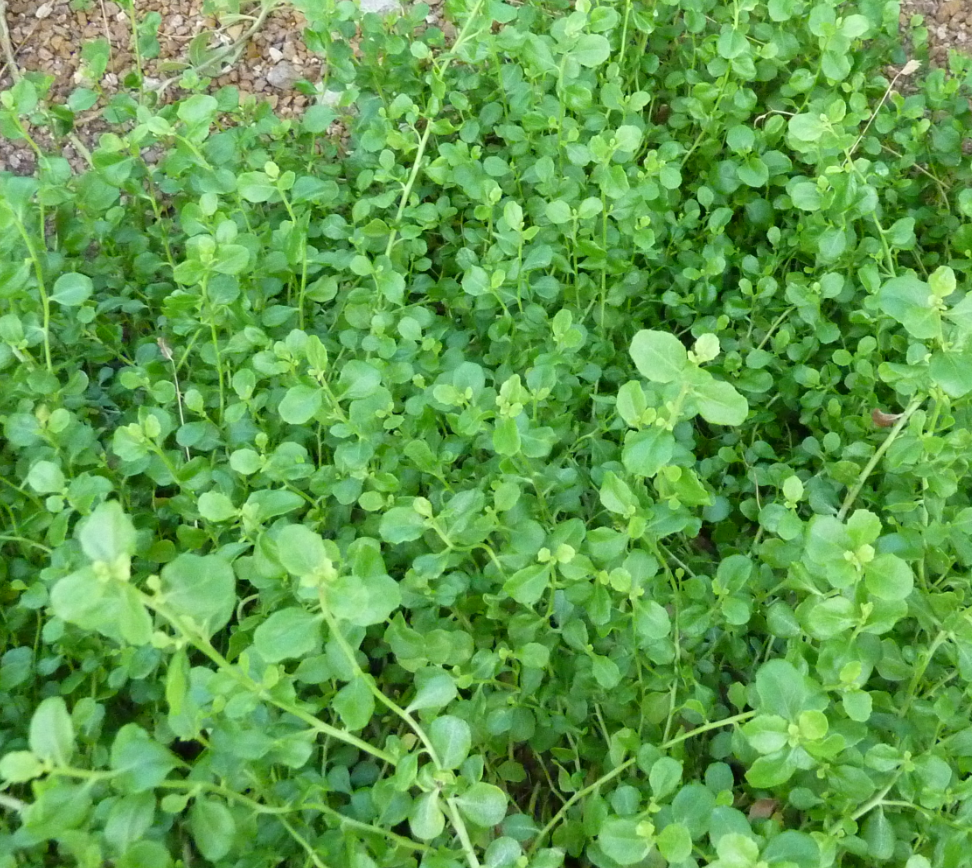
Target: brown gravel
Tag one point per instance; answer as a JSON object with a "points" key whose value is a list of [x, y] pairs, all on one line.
{"points": [[47, 37], [949, 24]]}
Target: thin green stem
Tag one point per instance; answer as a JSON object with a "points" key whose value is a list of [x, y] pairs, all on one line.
{"points": [[205, 647], [611, 775], [877, 456]]}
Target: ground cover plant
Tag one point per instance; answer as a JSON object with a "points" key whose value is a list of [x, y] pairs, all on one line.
{"points": [[563, 460]]}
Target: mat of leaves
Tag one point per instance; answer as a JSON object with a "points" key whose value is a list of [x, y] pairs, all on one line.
{"points": [[574, 470]]}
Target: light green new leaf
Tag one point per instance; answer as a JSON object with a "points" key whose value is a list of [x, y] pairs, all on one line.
{"points": [[201, 589], [301, 552], [354, 703], [483, 804], [108, 534], [451, 737], [52, 732], [300, 404], [216, 506], [659, 356], [426, 819], [45, 477], [911, 302], [675, 843], [620, 840], [591, 50], [718, 402], [506, 437]]}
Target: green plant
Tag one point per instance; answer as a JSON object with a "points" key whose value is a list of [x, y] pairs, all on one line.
{"points": [[570, 467]]}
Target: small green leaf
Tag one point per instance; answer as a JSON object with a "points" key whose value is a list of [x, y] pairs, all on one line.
{"points": [[664, 776], [888, 577], [675, 843], [108, 535], [355, 703], [216, 506], [401, 524], [200, 589], [300, 404], [213, 827], [506, 437], [483, 804], [45, 477], [620, 839], [287, 634], [301, 552], [911, 302], [451, 737], [20, 766], [952, 372], [435, 690], [426, 819], [646, 452], [591, 50], [140, 763], [659, 356], [606, 672], [718, 402], [52, 732], [72, 289], [528, 585]]}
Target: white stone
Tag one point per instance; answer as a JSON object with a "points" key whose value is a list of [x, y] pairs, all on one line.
{"points": [[381, 7]]}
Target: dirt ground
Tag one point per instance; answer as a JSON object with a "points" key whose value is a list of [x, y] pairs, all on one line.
{"points": [[48, 36]]}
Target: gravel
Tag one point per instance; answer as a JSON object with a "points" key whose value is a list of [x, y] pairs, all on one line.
{"points": [[48, 36]]}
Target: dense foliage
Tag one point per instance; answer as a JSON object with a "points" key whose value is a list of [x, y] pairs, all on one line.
{"points": [[563, 460]]}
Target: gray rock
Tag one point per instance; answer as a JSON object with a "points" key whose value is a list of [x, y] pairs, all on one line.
{"points": [[283, 75]]}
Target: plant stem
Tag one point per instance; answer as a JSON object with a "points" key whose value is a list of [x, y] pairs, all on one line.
{"points": [[611, 775], [877, 456]]}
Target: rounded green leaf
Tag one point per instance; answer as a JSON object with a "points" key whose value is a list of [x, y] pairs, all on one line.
{"points": [[483, 804], [426, 819], [718, 402], [216, 506], [52, 732], [888, 577], [675, 843], [620, 839], [301, 552], [591, 50], [201, 589], [451, 737], [213, 827], [659, 356], [288, 633], [300, 404], [45, 477], [401, 524], [72, 289]]}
